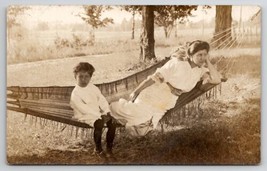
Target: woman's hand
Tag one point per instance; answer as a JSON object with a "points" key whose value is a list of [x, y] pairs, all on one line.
{"points": [[206, 61], [175, 91], [143, 85], [133, 96], [215, 76]]}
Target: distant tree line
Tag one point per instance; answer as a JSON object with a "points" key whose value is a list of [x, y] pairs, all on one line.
{"points": [[165, 16]]}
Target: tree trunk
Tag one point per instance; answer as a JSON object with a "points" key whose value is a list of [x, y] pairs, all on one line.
{"points": [[92, 36], [147, 41], [169, 31], [165, 32], [223, 23], [133, 24], [176, 27]]}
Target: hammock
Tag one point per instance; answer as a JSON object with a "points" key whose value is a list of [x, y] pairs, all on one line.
{"points": [[52, 103]]}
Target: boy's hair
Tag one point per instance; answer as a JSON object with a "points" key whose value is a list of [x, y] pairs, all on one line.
{"points": [[84, 66], [196, 46]]}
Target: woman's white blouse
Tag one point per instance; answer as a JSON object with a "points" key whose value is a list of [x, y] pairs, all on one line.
{"points": [[180, 74]]}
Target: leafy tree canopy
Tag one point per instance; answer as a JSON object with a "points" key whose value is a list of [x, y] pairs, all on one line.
{"points": [[12, 14], [93, 15]]}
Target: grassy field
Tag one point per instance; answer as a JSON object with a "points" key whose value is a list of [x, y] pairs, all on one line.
{"points": [[30, 45]]}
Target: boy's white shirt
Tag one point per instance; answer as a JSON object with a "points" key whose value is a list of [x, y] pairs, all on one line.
{"points": [[88, 103]]}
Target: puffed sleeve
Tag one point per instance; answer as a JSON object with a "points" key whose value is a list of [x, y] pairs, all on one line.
{"points": [[164, 73]]}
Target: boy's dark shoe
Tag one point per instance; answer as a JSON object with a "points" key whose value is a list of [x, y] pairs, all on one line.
{"points": [[110, 155], [100, 154]]}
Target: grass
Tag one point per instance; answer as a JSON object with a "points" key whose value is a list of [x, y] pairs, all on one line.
{"points": [[40, 45]]}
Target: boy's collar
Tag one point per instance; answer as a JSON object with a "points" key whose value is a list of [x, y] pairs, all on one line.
{"points": [[82, 87]]}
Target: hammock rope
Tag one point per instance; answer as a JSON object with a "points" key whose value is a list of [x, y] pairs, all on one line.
{"points": [[221, 37], [223, 31]]}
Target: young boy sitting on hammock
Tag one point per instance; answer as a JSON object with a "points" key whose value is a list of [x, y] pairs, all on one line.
{"points": [[91, 107], [160, 91]]}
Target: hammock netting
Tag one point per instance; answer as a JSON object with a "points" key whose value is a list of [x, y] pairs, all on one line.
{"points": [[52, 102]]}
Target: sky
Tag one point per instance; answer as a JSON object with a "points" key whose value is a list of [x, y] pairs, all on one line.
{"points": [[68, 14]]}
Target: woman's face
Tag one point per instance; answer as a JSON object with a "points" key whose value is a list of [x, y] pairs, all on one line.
{"points": [[83, 78], [199, 58]]}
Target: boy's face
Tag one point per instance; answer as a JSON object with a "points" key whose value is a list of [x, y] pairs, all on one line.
{"points": [[83, 78]]}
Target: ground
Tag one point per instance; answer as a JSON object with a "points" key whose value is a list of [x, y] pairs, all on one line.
{"points": [[227, 131]]}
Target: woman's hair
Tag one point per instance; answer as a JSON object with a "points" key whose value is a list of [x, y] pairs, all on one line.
{"points": [[84, 66], [196, 46]]}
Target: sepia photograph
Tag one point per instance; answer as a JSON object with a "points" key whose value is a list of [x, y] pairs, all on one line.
{"points": [[133, 84]]}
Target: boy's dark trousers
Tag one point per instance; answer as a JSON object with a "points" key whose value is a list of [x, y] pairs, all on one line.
{"points": [[98, 129]]}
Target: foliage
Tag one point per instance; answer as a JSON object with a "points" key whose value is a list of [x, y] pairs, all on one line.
{"points": [[13, 12], [61, 42], [166, 16], [163, 16], [93, 13], [132, 8], [77, 42]]}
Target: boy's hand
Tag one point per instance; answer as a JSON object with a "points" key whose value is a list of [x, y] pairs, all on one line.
{"points": [[106, 117]]}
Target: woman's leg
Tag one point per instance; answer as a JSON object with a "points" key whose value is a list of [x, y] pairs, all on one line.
{"points": [[98, 128]]}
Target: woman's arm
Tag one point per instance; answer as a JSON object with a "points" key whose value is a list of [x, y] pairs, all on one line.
{"points": [[159, 76], [146, 83], [215, 76]]}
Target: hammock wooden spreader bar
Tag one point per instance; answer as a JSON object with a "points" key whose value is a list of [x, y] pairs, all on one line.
{"points": [[52, 102]]}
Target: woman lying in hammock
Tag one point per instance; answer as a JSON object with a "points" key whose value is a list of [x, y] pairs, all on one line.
{"points": [[160, 91]]}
